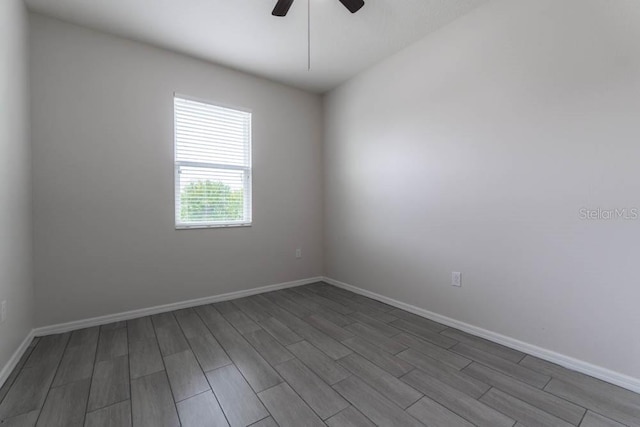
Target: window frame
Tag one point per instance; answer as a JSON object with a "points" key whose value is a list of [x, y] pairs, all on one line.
{"points": [[247, 221]]}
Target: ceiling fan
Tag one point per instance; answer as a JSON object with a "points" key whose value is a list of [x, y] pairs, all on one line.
{"points": [[282, 7]]}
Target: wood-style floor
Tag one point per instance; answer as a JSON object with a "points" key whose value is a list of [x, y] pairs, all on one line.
{"points": [[309, 356]]}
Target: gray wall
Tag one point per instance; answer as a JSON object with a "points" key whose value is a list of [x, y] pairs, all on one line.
{"points": [[103, 178], [15, 179], [474, 150]]}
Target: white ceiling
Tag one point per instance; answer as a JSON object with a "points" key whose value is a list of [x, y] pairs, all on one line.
{"points": [[243, 35]]}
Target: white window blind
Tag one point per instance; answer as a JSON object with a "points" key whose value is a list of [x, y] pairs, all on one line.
{"points": [[212, 165]]}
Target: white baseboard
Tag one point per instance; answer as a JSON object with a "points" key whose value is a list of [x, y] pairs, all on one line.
{"points": [[619, 379], [15, 358], [604, 374], [133, 314], [127, 315]]}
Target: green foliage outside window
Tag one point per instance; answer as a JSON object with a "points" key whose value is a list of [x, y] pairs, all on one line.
{"points": [[207, 201]]}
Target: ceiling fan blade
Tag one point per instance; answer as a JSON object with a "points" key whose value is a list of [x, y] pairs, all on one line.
{"points": [[282, 7], [352, 5]]}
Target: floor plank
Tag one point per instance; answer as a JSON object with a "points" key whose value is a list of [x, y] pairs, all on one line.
{"points": [[191, 324], [350, 417], [281, 302], [425, 333], [387, 361], [450, 376], [287, 409], [252, 308], [65, 405], [151, 402], [521, 411], [87, 336], [370, 302], [419, 320], [238, 401], [170, 336], [484, 345], [596, 398], [541, 399], [118, 415], [313, 390], [140, 329], [242, 322], [209, 352], [323, 342], [359, 307], [280, 332], [266, 422], [592, 419], [325, 367], [433, 351], [225, 307], [320, 340], [381, 327], [259, 374], [48, 351], [110, 383], [432, 413], [114, 325], [332, 305], [376, 338], [382, 381], [597, 390], [144, 357], [522, 373], [202, 410], [185, 376], [317, 309], [29, 390], [77, 363], [336, 332], [25, 420], [112, 344], [270, 349], [456, 401], [374, 405], [14, 374]]}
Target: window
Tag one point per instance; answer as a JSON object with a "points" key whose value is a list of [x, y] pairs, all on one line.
{"points": [[212, 165]]}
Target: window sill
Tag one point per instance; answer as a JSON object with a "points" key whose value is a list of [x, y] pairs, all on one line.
{"points": [[201, 226]]}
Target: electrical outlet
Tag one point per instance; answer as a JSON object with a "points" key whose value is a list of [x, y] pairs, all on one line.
{"points": [[3, 311], [298, 253], [456, 279]]}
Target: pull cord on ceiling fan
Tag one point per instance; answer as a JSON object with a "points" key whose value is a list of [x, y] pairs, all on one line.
{"points": [[283, 6]]}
